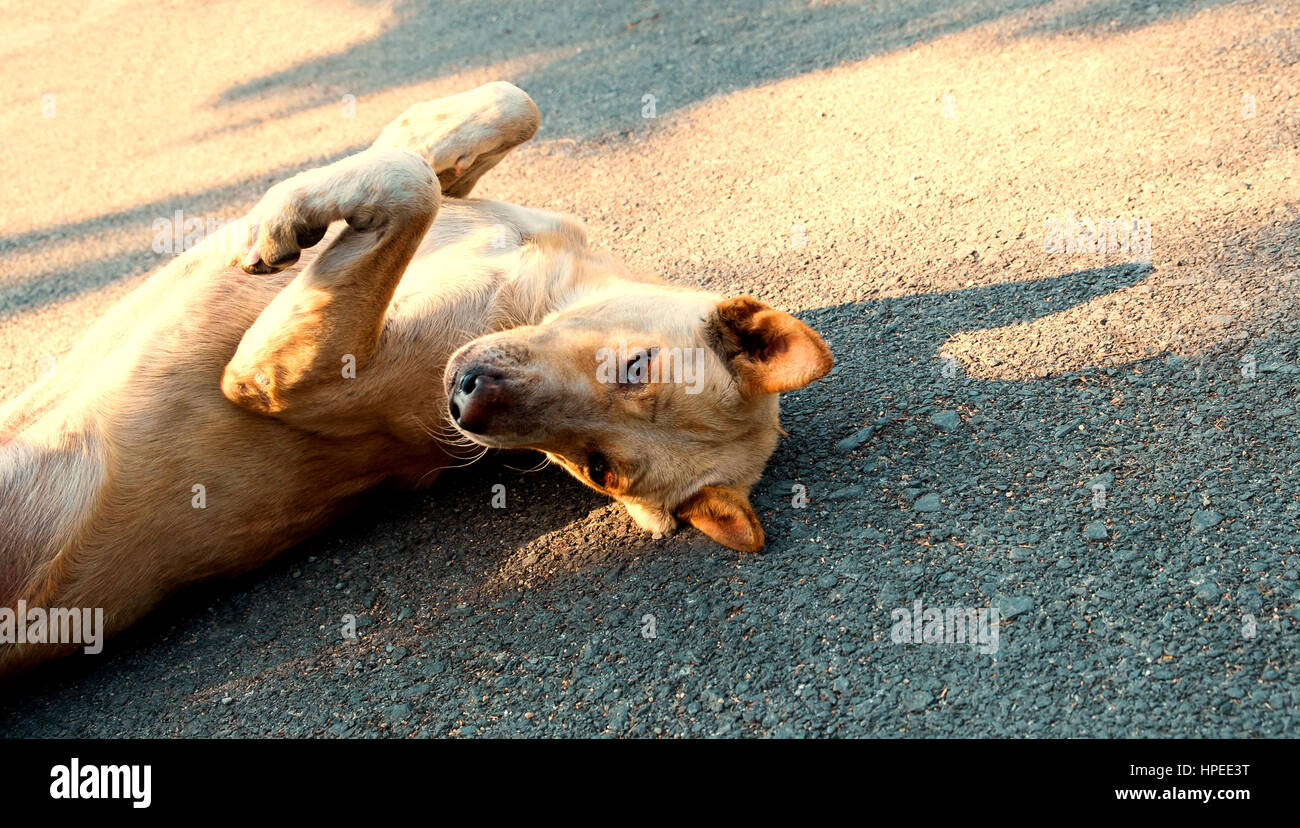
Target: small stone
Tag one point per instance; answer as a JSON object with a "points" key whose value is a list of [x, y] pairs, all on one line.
{"points": [[846, 492], [947, 421], [1107, 480], [1015, 605], [1204, 519], [928, 503], [618, 717], [854, 441], [1061, 431], [434, 668], [916, 700], [509, 599], [397, 713], [1095, 530]]}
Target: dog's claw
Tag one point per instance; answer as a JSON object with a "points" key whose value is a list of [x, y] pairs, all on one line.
{"points": [[252, 261]]}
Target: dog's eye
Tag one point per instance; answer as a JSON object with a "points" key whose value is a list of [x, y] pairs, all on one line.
{"points": [[598, 469], [639, 368]]}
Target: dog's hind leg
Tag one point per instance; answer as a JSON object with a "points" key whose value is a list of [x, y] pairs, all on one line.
{"points": [[465, 135]]}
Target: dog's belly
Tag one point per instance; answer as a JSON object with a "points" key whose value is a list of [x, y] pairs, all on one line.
{"points": [[129, 459]]}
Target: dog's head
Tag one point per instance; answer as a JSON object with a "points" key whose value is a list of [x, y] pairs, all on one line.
{"points": [[661, 397]]}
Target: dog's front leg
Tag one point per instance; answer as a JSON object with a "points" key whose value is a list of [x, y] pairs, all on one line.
{"points": [[326, 324]]}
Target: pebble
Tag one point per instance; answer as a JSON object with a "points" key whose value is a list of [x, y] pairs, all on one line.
{"points": [[917, 700], [928, 503], [1204, 519], [855, 440], [947, 421], [1061, 431], [1107, 480], [397, 713], [1012, 606]]}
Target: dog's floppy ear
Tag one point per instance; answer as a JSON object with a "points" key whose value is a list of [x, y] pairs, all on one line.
{"points": [[770, 351], [724, 514]]}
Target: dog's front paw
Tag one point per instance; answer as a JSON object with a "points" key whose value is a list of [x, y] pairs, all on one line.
{"points": [[366, 190], [278, 231]]}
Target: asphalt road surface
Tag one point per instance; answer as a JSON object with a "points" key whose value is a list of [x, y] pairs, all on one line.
{"points": [[1102, 446]]}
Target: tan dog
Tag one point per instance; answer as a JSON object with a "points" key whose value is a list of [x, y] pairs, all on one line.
{"points": [[242, 397]]}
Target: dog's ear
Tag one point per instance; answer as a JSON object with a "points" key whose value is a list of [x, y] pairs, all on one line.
{"points": [[770, 351], [724, 514]]}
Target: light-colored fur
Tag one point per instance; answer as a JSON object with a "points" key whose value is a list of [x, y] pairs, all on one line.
{"points": [[246, 393]]}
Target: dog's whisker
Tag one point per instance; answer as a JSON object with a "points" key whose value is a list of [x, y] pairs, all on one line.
{"points": [[446, 435], [545, 461], [437, 469]]}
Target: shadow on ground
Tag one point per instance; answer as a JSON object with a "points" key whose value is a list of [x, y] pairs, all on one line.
{"points": [[472, 554]]}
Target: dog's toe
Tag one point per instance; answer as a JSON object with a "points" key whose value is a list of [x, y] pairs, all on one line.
{"points": [[278, 243]]}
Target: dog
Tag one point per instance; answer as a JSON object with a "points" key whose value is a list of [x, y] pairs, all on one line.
{"points": [[366, 322]]}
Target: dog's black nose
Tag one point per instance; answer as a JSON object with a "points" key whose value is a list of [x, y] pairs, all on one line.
{"points": [[468, 379], [478, 393]]}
